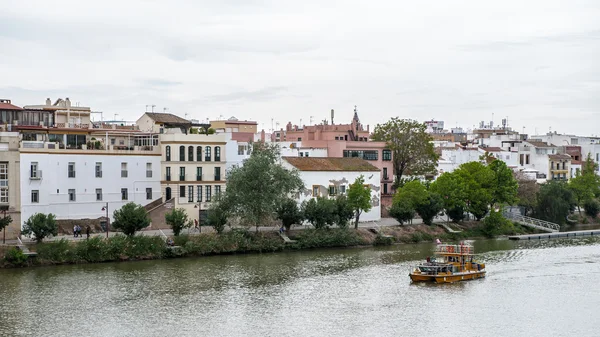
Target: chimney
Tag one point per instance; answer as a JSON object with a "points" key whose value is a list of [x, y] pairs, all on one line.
{"points": [[332, 117], [48, 102], [68, 102]]}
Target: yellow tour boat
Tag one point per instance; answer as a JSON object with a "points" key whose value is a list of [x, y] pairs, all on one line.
{"points": [[451, 263]]}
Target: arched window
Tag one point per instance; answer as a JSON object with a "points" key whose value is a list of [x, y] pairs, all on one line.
{"points": [[168, 152], [217, 153], [207, 153], [199, 153], [190, 153], [168, 194], [182, 153]]}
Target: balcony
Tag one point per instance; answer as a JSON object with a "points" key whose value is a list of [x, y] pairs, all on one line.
{"points": [[386, 179], [217, 177], [182, 177], [198, 177], [168, 177], [59, 147], [35, 175], [148, 174]]}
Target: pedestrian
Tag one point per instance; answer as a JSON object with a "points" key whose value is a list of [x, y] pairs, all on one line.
{"points": [[87, 231], [75, 231]]}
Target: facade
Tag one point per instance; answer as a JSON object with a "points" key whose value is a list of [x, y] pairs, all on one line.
{"points": [[76, 184], [341, 140], [157, 123], [193, 168], [235, 126], [330, 177], [560, 166], [10, 193]]}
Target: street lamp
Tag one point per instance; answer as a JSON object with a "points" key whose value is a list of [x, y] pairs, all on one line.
{"points": [[105, 208], [199, 210], [4, 229]]}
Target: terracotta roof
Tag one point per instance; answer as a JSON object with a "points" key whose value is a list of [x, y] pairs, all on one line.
{"points": [[539, 144], [559, 157], [167, 118], [8, 106], [492, 149], [330, 164]]}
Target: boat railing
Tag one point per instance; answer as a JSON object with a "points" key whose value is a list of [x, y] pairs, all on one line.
{"points": [[454, 249]]}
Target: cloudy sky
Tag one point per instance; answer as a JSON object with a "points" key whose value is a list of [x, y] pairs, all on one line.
{"points": [[535, 62]]}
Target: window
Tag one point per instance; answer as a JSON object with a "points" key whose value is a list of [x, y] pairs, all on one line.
{"points": [[148, 170], [299, 139], [168, 175], [332, 190], [182, 191], [199, 193], [364, 154], [182, 153], [207, 153], [527, 159], [387, 155], [182, 174], [521, 161], [385, 175], [98, 194], [124, 195], [217, 190], [123, 170], [564, 165], [71, 195], [148, 193], [240, 150], [217, 153], [315, 190], [71, 170], [34, 173], [35, 196], [191, 193], [198, 153], [198, 173], [4, 183], [217, 173], [112, 141], [385, 189], [306, 154], [98, 170], [301, 154], [208, 191], [168, 153], [190, 153], [342, 189]]}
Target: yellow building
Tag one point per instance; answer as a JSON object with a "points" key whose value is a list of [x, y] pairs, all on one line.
{"points": [[234, 125], [560, 166]]}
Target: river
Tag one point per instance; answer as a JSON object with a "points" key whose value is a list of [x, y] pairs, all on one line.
{"points": [[535, 288]]}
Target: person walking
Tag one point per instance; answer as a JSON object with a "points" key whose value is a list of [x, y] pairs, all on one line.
{"points": [[87, 231], [75, 231]]}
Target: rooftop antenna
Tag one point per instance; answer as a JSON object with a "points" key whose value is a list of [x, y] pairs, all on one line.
{"points": [[272, 126], [153, 106], [300, 121], [185, 115], [164, 110], [311, 120], [115, 118]]}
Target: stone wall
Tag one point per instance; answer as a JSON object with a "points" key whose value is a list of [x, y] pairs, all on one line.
{"points": [[65, 227], [386, 203], [157, 215]]}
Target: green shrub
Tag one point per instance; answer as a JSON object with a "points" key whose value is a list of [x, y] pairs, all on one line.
{"points": [[591, 207], [90, 250], [383, 240], [420, 236], [16, 257], [495, 224], [332, 237], [60, 251]]}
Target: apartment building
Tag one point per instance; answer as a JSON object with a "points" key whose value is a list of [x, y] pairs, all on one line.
{"points": [[10, 202]]}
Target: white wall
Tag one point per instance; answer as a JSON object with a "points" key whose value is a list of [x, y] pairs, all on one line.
{"points": [[326, 178], [54, 185]]}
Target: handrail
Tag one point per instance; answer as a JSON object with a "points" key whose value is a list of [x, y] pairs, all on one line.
{"points": [[529, 221]]}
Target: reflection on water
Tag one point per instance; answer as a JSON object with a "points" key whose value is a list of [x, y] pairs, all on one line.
{"points": [[533, 288]]}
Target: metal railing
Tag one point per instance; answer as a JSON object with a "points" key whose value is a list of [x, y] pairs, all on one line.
{"points": [[532, 222]]}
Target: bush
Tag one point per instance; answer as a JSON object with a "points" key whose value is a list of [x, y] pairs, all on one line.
{"points": [[330, 237], [383, 240], [130, 218], [320, 212], [343, 211], [495, 224], [289, 213], [60, 251], [417, 237], [456, 213], [16, 257], [41, 226], [177, 219], [591, 207], [402, 211], [429, 208]]}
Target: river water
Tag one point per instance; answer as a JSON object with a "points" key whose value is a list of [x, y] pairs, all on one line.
{"points": [[536, 288]]}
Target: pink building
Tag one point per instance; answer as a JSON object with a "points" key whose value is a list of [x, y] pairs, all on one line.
{"points": [[343, 140]]}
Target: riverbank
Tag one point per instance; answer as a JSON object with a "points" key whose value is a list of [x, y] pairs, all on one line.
{"points": [[122, 248]]}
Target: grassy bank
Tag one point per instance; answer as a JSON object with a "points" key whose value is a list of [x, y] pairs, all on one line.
{"points": [[122, 248]]}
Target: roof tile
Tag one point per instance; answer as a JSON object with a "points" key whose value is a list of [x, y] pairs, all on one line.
{"points": [[330, 164]]}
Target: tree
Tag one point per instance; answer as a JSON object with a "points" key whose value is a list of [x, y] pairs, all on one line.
{"points": [[430, 208], [555, 202], [255, 189], [41, 226], [130, 218], [412, 148], [177, 219], [343, 211], [359, 198], [320, 212], [218, 212], [592, 208], [586, 184], [402, 210], [289, 213], [504, 184], [478, 180], [452, 188], [487, 158], [527, 193], [4, 222], [495, 224]]}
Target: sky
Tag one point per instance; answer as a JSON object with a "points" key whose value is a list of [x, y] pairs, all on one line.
{"points": [[534, 62]]}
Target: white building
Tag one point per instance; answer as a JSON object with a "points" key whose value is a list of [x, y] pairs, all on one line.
{"points": [[78, 183], [332, 176]]}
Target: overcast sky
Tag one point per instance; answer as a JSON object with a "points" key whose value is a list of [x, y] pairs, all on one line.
{"points": [[536, 62]]}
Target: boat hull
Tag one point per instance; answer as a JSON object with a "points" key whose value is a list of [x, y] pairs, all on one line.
{"points": [[457, 277]]}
